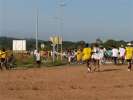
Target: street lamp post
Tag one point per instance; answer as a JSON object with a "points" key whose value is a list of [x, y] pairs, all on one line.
{"points": [[37, 29], [61, 23]]}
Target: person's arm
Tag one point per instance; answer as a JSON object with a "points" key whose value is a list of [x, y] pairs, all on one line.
{"points": [[125, 52], [132, 53], [2, 53]]}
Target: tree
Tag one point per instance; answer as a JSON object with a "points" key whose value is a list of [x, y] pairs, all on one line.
{"points": [[110, 43], [99, 41]]}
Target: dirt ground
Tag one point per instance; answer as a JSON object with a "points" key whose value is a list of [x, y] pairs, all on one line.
{"points": [[67, 83]]}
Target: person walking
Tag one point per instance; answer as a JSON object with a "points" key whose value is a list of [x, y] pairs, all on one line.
{"points": [[87, 56], [79, 56], [38, 58], [3, 57], [101, 54], [129, 55], [96, 56], [122, 54], [115, 54]]}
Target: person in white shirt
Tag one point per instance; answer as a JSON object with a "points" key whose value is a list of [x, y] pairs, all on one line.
{"points": [[101, 54], [34, 54], [115, 54], [96, 57], [38, 58], [122, 53], [35, 51]]}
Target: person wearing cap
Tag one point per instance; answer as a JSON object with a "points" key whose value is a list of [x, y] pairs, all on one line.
{"points": [[129, 55], [87, 56]]}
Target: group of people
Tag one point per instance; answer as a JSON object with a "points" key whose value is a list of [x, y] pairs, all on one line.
{"points": [[97, 54], [94, 54]]}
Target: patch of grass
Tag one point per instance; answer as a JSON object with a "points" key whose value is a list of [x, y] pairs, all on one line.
{"points": [[55, 63], [29, 62], [24, 61]]}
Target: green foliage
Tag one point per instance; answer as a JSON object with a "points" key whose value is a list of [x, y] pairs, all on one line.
{"points": [[6, 42], [57, 62], [24, 61], [112, 43]]}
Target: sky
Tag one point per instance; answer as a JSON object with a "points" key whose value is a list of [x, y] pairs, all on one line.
{"points": [[76, 20]]}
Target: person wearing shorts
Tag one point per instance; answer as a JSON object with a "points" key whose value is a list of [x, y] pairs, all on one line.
{"points": [[87, 56], [96, 56], [38, 58], [129, 55]]}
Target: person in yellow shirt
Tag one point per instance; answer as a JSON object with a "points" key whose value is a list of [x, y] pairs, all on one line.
{"points": [[3, 58], [129, 55], [3, 55], [87, 56], [0, 54], [79, 56], [0, 59]]}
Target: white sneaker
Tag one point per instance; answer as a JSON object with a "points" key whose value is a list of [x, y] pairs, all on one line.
{"points": [[129, 70]]}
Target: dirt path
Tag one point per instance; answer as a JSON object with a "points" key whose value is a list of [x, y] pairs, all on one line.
{"points": [[67, 83]]}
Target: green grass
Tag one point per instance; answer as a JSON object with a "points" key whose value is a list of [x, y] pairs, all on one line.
{"points": [[50, 63], [25, 62], [29, 62]]}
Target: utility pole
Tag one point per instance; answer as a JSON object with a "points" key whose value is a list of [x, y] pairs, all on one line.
{"points": [[37, 28], [61, 5]]}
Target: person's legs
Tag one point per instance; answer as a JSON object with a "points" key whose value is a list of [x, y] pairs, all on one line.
{"points": [[88, 65], [38, 63], [129, 64], [0, 64], [69, 59], [115, 60], [100, 61], [98, 65], [3, 63], [123, 60]]}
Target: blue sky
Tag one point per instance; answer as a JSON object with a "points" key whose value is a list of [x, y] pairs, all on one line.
{"points": [[82, 19]]}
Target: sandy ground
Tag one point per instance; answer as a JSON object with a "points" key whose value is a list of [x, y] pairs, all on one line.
{"points": [[67, 83]]}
